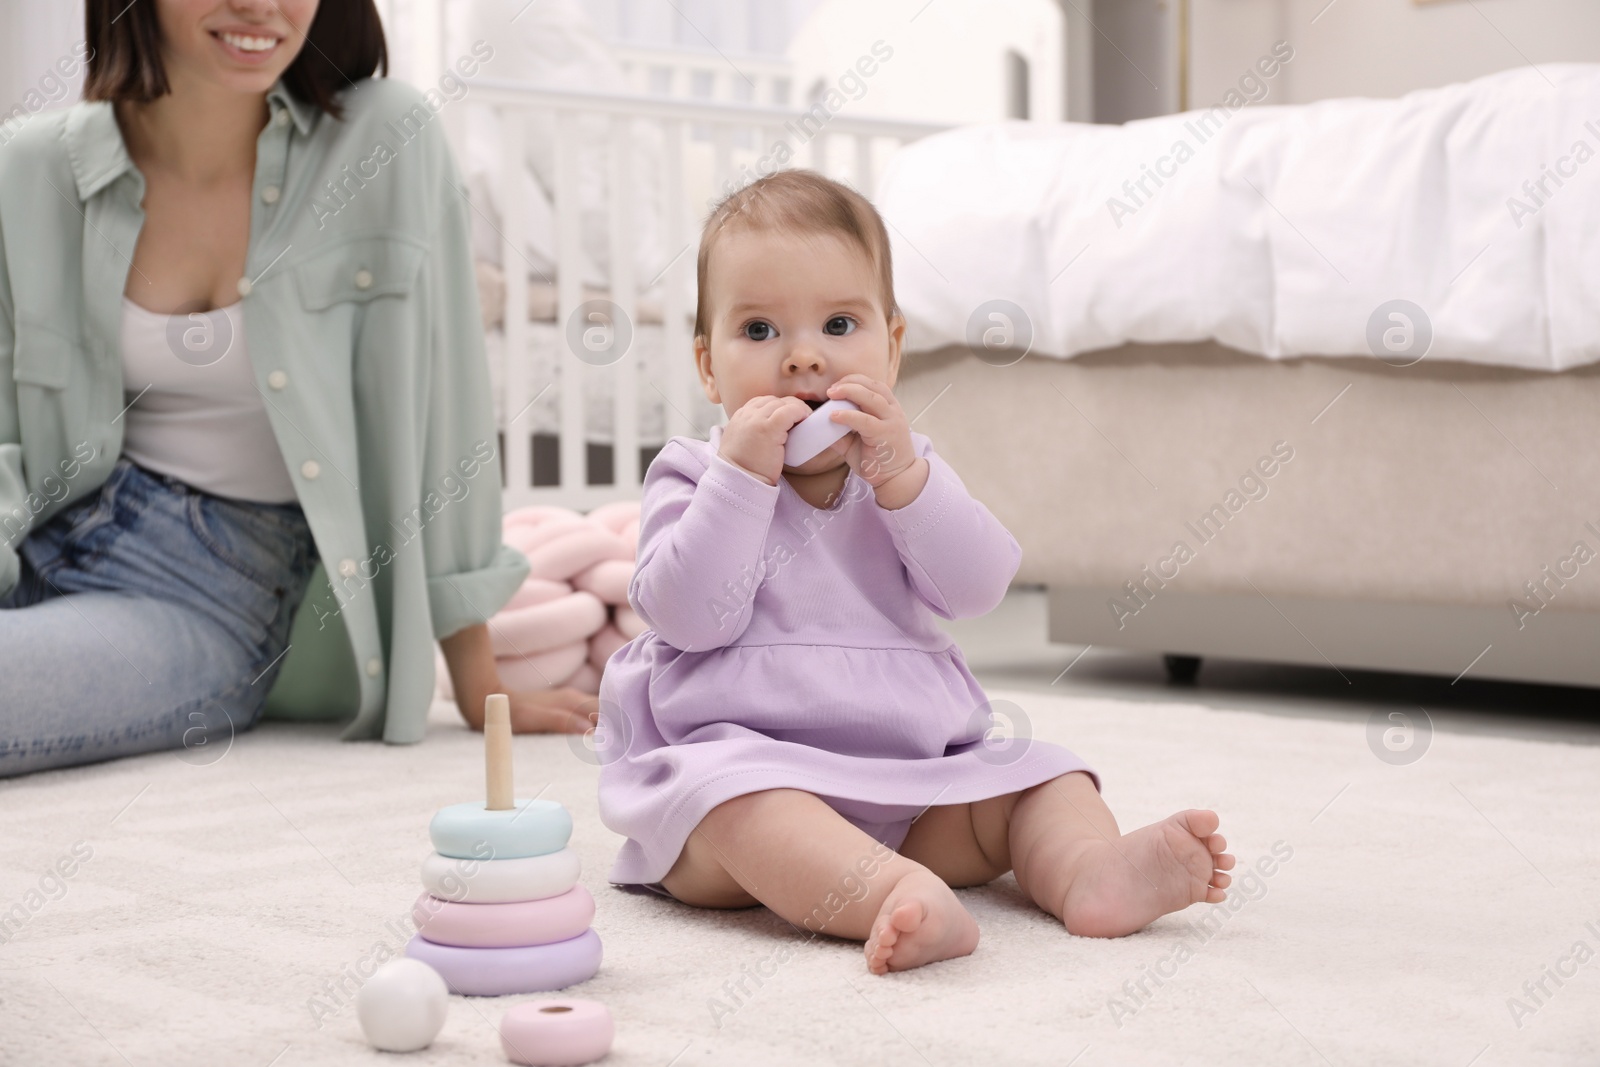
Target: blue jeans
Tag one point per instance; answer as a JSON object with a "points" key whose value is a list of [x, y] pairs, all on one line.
{"points": [[149, 615]]}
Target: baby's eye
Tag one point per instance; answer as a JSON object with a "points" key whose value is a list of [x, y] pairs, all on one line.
{"points": [[840, 325], [758, 331]]}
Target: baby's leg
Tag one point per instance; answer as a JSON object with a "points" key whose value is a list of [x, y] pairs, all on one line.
{"points": [[789, 850], [1072, 861]]}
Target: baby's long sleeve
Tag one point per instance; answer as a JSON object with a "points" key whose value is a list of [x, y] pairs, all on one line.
{"points": [[959, 557], [701, 537]]}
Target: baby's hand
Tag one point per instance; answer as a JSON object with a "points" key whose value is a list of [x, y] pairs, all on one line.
{"points": [[755, 434], [882, 445]]}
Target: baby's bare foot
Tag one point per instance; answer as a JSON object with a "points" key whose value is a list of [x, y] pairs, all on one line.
{"points": [[921, 921], [1123, 885]]}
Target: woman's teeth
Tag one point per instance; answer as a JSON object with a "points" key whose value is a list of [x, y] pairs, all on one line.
{"points": [[249, 44]]}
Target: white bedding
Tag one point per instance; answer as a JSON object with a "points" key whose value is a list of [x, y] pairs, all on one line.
{"points": [[1281, 234]]}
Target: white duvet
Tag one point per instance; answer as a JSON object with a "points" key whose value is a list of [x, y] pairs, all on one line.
{"points": [[1282, 231]]}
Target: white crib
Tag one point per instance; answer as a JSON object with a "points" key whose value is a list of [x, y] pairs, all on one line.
{"points": [[709, 147]]}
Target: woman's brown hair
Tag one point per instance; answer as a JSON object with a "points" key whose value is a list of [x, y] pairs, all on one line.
{"points": [[345, 43]]}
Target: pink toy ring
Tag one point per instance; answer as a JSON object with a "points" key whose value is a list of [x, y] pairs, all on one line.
{"points": [[555, 1032], [515, 925], [496, 972]]}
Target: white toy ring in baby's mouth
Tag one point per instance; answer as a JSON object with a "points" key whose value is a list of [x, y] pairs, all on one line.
{"points": [[808, 437]]}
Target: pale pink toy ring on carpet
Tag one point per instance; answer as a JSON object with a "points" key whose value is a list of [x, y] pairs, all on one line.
{"points": [[561, 1032]]}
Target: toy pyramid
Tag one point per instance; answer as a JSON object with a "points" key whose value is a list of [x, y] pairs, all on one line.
{"points": [[502, 911]]}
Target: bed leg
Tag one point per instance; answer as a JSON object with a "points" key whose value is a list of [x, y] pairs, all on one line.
{"points": [[1181, 670]]}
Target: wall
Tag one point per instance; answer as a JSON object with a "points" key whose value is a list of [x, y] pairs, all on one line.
{"points": [[949, 62], [34, 37], [1383, 48], [749, 27]]}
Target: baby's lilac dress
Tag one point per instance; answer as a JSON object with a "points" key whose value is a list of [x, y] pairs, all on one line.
{"points": [[795, 647]]}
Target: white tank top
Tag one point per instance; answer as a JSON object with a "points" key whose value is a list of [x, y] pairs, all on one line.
{"points": [[196, 414]]}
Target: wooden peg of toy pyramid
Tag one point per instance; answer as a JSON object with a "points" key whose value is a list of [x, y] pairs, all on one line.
{"points": [[497, 752]]}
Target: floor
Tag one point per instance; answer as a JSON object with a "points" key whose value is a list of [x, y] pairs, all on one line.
{"points": [[226, 910]]}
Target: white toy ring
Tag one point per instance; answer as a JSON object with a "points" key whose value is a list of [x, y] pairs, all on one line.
{"points": [[500, 881]]}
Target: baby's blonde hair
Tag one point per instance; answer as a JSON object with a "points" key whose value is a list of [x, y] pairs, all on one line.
{"points": [[797, 201]]}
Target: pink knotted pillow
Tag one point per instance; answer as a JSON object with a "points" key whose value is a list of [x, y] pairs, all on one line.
{"points": [[572, 612]]}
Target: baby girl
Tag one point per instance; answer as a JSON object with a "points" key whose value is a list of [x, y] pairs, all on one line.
{"points": [[794, 729]]}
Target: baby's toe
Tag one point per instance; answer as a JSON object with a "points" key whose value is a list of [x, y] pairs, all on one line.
{"points": [[1200, 822], [906, 918], [1217, 843]]}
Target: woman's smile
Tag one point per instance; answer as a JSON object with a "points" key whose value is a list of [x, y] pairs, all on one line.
{"points": [[247, 46]]}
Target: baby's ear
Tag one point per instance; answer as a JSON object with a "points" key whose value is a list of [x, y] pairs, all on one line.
{"points": [[702, 364], [897, 340]]}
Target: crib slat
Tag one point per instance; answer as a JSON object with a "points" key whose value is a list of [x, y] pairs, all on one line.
{"points": [[865, 183], [722, 159], [816, 153], [676, 331], [767, 154], [569, 294], [624, 293], [516, 355]]}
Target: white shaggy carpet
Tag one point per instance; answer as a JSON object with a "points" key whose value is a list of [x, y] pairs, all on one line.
{"points": [[219, 904]]}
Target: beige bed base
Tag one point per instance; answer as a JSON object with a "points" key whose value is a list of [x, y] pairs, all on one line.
{"points": [[1440, 519]]}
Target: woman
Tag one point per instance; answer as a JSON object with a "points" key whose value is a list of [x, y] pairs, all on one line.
{"points": [[239, 333]]}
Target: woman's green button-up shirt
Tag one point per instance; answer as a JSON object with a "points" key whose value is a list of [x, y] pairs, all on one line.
{"points": [[361, 319]]}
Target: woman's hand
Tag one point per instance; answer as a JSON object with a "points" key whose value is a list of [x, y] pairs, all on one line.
{"points": [[755, 434], [539, 711], [474, 676], [881, 452], [553, 711]]}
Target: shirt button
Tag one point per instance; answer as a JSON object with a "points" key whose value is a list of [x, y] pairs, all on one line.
{"points": [[277, 379], [282, 117], [374, 666], [310, 468], [363, 279], [270, 194], [244, 287], [347, 567]]}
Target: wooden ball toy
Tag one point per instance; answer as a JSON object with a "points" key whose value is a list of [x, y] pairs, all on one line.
{"points": [[401, 1008]]}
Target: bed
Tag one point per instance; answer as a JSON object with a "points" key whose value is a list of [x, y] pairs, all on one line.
{"points": [[1419, 506], [1330, 383]]}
